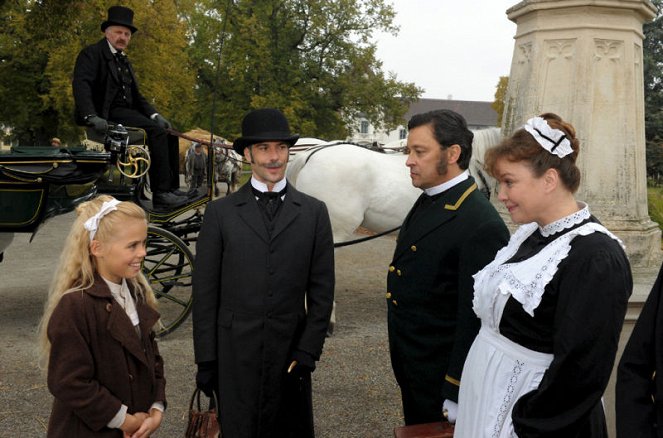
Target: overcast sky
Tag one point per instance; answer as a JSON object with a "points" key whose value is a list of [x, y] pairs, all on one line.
{"points": [[450, 47]]}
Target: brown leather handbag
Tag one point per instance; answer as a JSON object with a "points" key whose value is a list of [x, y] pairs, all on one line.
{"points": [[203, 424]]}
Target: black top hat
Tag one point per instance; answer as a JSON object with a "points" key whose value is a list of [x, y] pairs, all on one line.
{"points": [[119, 16], [264, 124]]}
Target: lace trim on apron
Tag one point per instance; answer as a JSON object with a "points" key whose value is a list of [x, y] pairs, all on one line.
{"points": [[526, 281]]}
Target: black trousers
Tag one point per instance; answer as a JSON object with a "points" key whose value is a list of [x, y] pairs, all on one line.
{"points": [[164, 150]]}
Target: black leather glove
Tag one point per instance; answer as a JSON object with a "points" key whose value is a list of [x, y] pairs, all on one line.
{"points": [[162, 122], [100, 125], [207, 379], [305, 362]]}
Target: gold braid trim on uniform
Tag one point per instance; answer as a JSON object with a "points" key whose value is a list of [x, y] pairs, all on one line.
{"points": [[472, 188], [451, 380]]}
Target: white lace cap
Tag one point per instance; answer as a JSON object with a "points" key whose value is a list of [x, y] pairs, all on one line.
{"points": [[551, 139], [92, 224]]}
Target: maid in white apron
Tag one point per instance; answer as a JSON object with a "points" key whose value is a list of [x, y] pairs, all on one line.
{"points": [[551, 304]]}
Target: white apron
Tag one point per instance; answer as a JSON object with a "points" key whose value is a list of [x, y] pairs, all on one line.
{"points": [[498, 371]]}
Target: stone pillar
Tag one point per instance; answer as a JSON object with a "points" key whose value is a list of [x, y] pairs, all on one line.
{"points": [[582, 59]]}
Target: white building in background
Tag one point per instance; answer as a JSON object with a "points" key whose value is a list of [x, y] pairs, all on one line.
{"points": [[478, 115]]}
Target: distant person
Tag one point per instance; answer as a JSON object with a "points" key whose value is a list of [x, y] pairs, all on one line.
{"points": [[97, 334], [56, 143], [263, 287], [106, 90], [551, 304], [196, 166], [451, 233]]}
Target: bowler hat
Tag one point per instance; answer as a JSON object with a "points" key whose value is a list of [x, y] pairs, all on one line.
{"points": [[119, 16], [265, 124]]}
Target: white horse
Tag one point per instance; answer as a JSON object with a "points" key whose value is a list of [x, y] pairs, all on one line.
{"points": [[227, 168], [366, 188]]}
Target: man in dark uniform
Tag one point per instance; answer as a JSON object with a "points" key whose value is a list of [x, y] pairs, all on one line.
{"points": [[451, 233], [105, 89], [263, 287]]}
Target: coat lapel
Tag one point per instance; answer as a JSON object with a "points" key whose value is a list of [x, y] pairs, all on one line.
{"points": [[289, 210], [249, 211], [110, 60], [443, 210], [119, 325]]}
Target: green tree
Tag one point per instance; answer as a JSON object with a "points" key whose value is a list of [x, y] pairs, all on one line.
{"points": [[500, 95], [653, 80], [653, 74], [314, 59]]}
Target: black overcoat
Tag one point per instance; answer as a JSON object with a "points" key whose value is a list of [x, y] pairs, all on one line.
{"points": [[429, 295], [249, 294], [96, 82], [98, 362], [639, 388]]}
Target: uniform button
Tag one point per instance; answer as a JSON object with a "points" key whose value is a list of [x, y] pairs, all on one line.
{"points": [[395, 302], [392, 268], [109, 307], [131, 377], [414, 248], [388, 295], [398, 272]]}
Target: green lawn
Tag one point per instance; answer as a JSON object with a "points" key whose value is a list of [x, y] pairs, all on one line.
{"points": [[655, 203]]}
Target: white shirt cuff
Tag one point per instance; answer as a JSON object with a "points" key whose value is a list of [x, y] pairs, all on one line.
{"points": [[158, 406], [119, 418]]}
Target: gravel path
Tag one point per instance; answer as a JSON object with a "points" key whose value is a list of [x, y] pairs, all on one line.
{"points": [[354, 391]]}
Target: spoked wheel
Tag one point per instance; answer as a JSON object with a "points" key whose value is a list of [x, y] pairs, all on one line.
{"points": [[168, 266]]}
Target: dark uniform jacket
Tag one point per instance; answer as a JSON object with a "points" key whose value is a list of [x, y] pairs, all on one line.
{"points": [[98, 362], [639, 389], [429, 295], [97, 82], [249, 291]]}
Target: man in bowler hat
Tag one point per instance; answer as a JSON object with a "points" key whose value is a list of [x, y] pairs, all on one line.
{"points": [[263, 287], [105, 90]]}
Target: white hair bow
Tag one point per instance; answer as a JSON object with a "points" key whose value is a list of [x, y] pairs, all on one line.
{"points": [[551, 139], [92, 224]]}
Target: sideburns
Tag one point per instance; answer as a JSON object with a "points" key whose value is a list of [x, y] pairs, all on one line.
{"points": [[443, 164]]}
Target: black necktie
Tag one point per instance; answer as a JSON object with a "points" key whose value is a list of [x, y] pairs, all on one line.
{"points": [[269, 201]]}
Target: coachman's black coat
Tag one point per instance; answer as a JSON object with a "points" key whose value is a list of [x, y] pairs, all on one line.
{"points": [[96, 83], [249, 290]]}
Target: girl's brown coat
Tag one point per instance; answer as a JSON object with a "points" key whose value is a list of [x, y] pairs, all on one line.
{"points": [[97, 363]]}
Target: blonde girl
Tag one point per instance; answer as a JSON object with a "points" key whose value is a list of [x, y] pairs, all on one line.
{"points": [[96, 339]]}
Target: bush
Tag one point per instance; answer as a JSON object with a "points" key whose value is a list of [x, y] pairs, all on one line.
{"points": [[655, 203]]}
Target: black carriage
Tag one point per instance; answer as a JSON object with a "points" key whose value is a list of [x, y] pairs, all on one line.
{"points": [[37, 183]]}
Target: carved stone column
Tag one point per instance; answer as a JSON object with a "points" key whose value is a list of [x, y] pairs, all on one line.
{"points": [[582, 59]]}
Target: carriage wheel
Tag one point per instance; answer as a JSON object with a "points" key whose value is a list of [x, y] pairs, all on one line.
{"points": [[168, 266]]}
